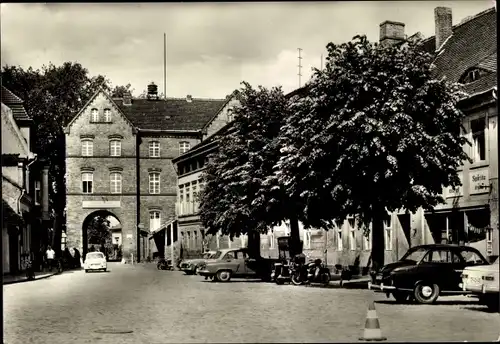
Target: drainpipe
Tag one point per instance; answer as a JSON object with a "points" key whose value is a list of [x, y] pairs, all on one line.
{"points": [[35, 158], [138, 187]]}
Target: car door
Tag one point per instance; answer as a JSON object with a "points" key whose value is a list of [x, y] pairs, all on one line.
{"points": [[234, 262], [458, 266], [437, 268], [249, 264]]}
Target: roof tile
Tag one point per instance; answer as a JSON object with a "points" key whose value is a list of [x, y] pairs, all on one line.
{"points": [[15, 104], [172, 113]]}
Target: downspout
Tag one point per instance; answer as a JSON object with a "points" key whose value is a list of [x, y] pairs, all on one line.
{"points": [[35, 158], [138, 193]]}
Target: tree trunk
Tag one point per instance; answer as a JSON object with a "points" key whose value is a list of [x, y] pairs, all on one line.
{"points": [[378, 245], [253, 244], [295, 246]]}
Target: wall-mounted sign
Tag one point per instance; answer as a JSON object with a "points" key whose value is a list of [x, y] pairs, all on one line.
{"points": [[129, 236], [101, 204], [458, 191], [479, 181]]}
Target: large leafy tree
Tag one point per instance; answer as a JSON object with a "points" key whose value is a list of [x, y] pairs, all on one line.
{"points": [[52, 96], [98, 232], [239, 196], [376, 133]]}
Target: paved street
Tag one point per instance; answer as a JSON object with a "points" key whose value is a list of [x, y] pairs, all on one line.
{"points": [[167, 307]]}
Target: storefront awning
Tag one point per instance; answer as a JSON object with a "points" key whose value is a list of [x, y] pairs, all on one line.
{"points": [[161, 228]]}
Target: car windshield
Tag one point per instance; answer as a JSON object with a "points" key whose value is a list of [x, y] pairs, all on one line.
{"points": [[217, 255], [95, 255], [414, 255]]}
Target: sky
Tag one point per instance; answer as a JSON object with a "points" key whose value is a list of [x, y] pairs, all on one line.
{"points": [[211, 47]]}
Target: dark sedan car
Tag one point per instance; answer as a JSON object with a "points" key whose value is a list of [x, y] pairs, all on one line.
{"points": [[425, 272]]}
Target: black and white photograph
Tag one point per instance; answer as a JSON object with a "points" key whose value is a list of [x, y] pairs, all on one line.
{"points": [[249, 172]]}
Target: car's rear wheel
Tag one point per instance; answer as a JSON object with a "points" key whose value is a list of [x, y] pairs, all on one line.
{"points": [[426, 292], [491, 301], [401, 297], [224, 276]]}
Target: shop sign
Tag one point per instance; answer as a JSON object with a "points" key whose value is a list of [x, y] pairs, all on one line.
{"points": [[479, 181], [458, 191]]}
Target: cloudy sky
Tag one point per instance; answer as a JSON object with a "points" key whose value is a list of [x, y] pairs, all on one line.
{"points": [[211, 47]]}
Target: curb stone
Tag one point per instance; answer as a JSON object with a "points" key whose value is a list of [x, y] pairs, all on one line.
{"points": [[26, 280]]}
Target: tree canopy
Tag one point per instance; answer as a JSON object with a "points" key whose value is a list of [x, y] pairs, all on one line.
{"points": [[375, 133], [98, 232], [239, 197]]}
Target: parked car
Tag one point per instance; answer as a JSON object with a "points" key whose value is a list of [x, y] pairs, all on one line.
{"points": [[426, 272], [236, 262], [190, 266], [482, 280], [95, 261]]}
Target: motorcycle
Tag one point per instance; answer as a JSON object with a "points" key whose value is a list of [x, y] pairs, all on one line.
{"points": [[164, 264], [281, 273], [312, 272]]}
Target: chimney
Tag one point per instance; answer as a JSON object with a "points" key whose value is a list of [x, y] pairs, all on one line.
{"points": [[189, 98], [444, 24], [127, 99], [152, 91], [391, 32]]}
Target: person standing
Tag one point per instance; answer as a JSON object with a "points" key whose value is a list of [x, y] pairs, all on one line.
{"points": [[50, 255]]}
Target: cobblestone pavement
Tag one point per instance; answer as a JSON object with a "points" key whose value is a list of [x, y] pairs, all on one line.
{"points": [[169, 307]]}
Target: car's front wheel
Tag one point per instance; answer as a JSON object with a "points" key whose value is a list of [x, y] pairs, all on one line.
{"points": [[224, 276], [426, 293]]}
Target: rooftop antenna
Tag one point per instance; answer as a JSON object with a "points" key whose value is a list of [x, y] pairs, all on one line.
{"points": [[321, 68], [300, 66], [164, 65]]}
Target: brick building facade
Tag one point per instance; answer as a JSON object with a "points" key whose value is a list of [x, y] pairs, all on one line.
{"points": [[118, 162]]}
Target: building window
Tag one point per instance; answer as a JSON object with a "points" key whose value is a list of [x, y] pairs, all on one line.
{"points": [[388, 234], [107, 115], [195, 239], [352, 234], [95, 115], [154, 220], [272, 241], [340, 244], [87, 181], [154, 183], [38, 192], [188, 240], [154, 149], [230, 115], [184, 147], [307, 239], [181, 199], [115, 179], [477, 127], [115, 148], [87, 147]]}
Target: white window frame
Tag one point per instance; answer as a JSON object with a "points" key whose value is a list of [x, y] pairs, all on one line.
{"points": [[107, 115], [352, 234], [188, 239], [184, 146], [154, 183], [307, 239], [475, 147], [87, 147], [272, 240], [115, 147], [154, 149], [181, 199], [38, 192], [340, 243], [88, 177], [388, 234], [94, 113], [154, 220], [115, 182]]}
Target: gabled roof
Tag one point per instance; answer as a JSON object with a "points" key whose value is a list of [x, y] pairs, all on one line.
{"points": [[172, 113], [473, 42], [15, 103]]}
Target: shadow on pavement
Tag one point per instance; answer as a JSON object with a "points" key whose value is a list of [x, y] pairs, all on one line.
{"points": [[480, 308], [437, 303]]}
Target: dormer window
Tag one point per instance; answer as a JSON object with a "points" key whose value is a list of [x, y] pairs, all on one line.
{"points": [[95, 115], [472, 75], [107, 115]]}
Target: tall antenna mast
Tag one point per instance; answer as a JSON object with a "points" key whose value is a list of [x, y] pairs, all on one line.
{"points": [[164, 65], [321, 66], [300, 66]]}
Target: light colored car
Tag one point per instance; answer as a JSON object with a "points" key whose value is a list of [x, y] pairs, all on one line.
{"points": [[483, 281], [191, 266], [95, 261]]}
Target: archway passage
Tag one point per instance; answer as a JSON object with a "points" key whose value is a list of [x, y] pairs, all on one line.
{"points": [[102, 231]]}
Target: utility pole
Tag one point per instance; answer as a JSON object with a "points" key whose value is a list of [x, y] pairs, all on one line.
{"points": [[300, 66]]}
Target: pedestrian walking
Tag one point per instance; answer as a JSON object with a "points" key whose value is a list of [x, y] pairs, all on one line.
{"points": [[50, 255]]}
